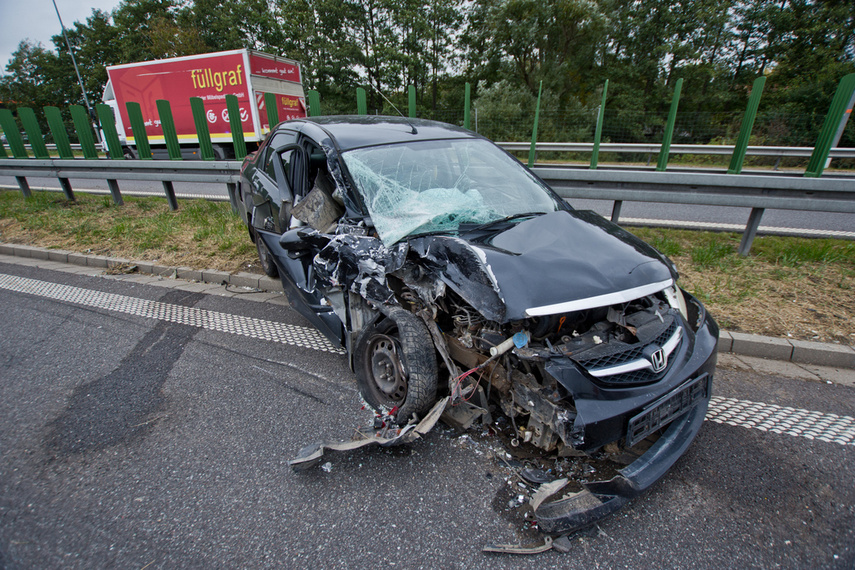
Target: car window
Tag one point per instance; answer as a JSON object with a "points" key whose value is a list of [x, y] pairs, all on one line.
{"points": [[429, 186], [278, 141]]}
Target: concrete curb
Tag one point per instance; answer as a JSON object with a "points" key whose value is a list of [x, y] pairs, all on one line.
{"points": [[773, 348]]}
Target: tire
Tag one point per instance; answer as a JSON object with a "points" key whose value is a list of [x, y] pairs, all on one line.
{"points": [[266, 258], [395, 365]]}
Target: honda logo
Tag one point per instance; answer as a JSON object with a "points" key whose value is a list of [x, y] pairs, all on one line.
{"points": [[659, 360]]}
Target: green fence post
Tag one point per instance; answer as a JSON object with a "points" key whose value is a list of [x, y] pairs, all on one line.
{"points": [[80, 118], [167, 123], [170, 136], [108, 127], [361, 102], [662, 163], [60, 136], [16, 144], [747, 126], [197, 107], [272, 110], [466, 105], [533, 148], [236, 126], [595, 156], [138, 129], [63, 147], [34, 132], [13, 134], [314, 103], [832, 127], [412, 101]]}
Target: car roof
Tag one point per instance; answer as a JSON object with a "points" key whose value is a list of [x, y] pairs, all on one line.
{"points": [[355, 131]]}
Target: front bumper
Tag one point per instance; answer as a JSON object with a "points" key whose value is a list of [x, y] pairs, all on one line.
{"points": [[684, 405]]}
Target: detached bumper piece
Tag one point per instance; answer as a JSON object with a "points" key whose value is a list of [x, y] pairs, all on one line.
{"points": [[600, 498]]}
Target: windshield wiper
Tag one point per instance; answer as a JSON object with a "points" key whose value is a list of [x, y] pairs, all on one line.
{"points": [[501, 221]]}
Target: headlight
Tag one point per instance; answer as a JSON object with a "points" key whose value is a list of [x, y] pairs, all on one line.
{"points": [[676, 300]]}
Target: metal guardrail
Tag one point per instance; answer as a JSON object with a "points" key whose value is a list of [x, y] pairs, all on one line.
{"points": [[757, 192], [165, 171], [703, 149]]}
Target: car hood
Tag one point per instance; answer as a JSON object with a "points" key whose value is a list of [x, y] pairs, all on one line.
{"points": [[554, 263]]}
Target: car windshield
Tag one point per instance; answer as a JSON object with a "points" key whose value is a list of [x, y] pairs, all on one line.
{"points": [[425, 187]]}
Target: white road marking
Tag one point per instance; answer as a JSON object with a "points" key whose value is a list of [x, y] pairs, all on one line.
{"points": [[830, 428], [294, 335]]}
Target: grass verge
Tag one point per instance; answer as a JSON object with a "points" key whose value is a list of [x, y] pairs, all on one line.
{"points": [[788, 287]]}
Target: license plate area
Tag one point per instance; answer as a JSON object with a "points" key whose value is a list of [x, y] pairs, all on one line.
{"points": [[668, 408]]}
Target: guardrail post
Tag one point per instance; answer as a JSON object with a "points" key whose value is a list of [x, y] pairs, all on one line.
{"points": [[63, 147], [741, 146], [237, 126], [314, 103], [595, 156], [533, 148], [361, 103], [197, 107], [34, 132], [13, 134], [80, 118], [411, 90], [3, 151], [138, 129], [108, 127], [231, 187], [270, 107], [832, 127], [466, 104], [24, 186], [616, 208], [750, 230], [662, 163]]}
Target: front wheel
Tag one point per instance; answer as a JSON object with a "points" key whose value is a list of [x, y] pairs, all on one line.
{"points": [[396, 365]]}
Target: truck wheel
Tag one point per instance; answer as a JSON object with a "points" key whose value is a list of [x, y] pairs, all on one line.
{"points": [[395, 365], [265, 257]]}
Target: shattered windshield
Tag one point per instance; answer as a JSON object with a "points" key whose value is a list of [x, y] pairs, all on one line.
{"points": [[435, 186]]}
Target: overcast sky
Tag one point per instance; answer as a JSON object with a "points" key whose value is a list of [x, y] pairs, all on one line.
{"points": [[36, 20]]}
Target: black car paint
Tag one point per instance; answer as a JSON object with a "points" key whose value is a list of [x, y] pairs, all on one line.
{"points": [[532, 262]]}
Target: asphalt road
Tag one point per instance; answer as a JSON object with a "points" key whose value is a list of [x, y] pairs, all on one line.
{"points": [[144, 426], [631, 211]]}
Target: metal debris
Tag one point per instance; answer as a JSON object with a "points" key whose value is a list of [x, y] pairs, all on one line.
{"points": [[311, 455]]}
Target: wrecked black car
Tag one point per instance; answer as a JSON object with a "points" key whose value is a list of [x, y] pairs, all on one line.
{"points": [[447, 269]]}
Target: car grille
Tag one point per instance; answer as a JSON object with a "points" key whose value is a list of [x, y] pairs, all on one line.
{"points": [[627, 364]]}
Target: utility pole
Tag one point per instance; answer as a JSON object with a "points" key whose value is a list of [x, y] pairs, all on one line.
{"points": [[74, 61]]}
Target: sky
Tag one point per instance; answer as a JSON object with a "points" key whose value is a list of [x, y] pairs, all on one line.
{"points": [[36, 20]]}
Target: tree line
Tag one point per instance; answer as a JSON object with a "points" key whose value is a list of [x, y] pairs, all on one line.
{"points": [[506, 49]]}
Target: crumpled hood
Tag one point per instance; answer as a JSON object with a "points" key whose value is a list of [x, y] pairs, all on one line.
{"points": [[555, 258]]}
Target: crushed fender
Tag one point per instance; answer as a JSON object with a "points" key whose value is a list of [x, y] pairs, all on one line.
{"points": [[311, 455]]}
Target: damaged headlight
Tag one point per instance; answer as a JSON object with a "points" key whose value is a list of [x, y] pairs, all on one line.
{"points": [[675, 298]]}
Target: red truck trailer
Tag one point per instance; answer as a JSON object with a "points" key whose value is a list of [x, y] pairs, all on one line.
{"points": [[245, 73]]}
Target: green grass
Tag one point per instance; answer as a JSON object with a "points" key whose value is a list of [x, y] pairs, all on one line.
{"points": [[786, 286]]}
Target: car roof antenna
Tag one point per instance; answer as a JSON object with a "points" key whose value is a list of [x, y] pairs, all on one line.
{"points": [[414, 131]]}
